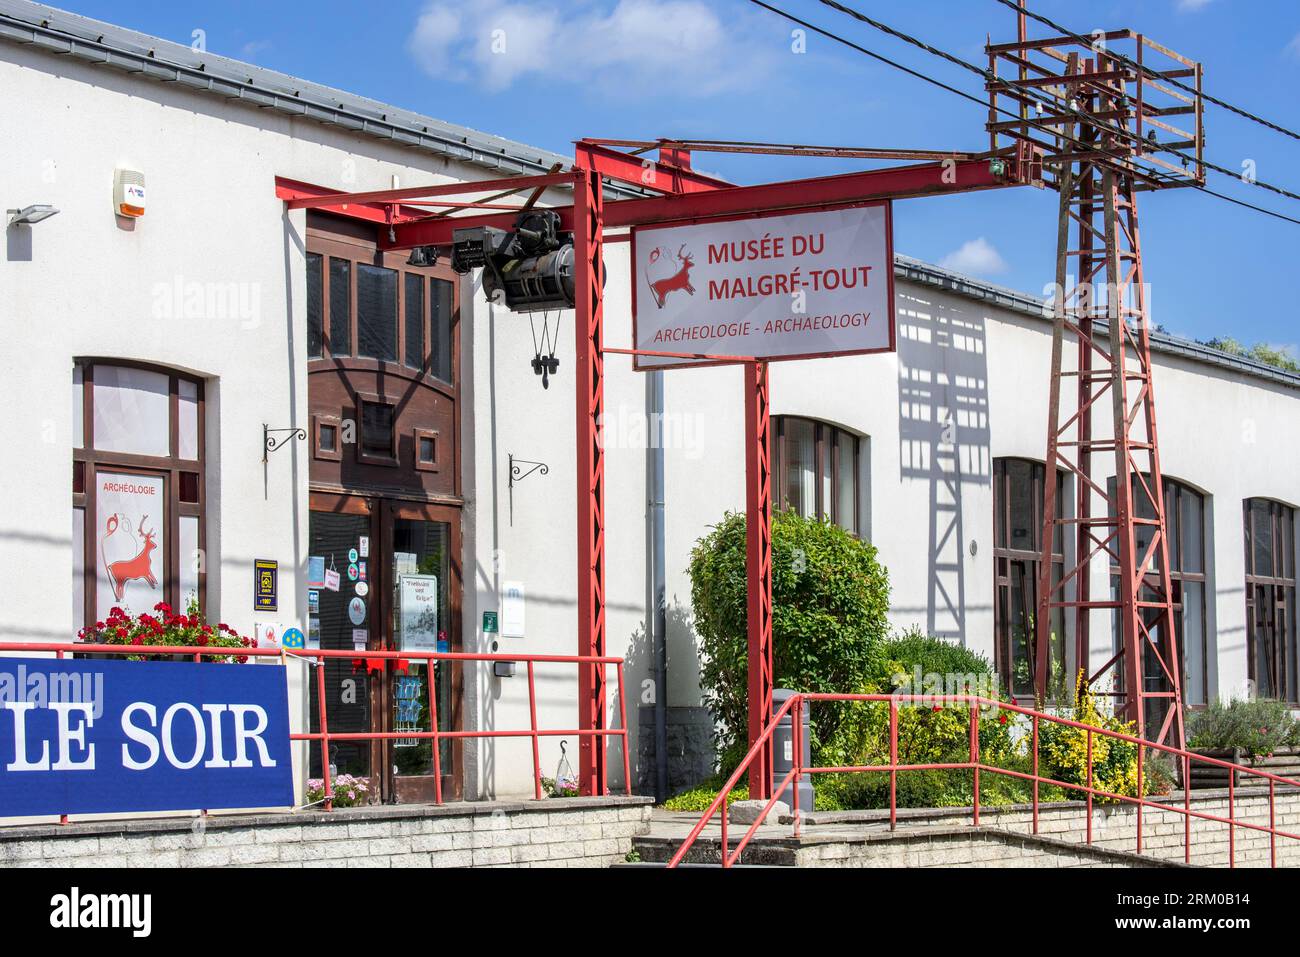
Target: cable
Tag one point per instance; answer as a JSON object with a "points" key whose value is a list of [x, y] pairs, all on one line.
{"points": [[1242, 202], [1152, 73], [1187, 157], [886, 28], [982, 103]]}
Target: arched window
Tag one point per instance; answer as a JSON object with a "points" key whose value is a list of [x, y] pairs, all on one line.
{"points": [[815, 470], [137, 489], [1271, 599], [1018, 487], [1188, 575]]}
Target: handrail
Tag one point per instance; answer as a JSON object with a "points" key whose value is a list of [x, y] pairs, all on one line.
{"points": [[316, 657], [974, 765]]}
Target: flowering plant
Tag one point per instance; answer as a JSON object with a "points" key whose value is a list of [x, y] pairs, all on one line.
{"points": [[166, 628], [562, 788], [349, 791]]}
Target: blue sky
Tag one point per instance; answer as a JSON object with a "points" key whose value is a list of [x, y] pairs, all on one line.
{"points": [[724, 69]]}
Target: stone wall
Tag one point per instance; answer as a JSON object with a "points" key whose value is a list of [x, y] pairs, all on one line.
{"points": [[962, 847], [1114, 827], [572, 832], [690, 748]]}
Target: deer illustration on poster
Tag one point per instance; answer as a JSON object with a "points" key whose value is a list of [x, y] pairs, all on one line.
{"points": [[139, 565], [659, 262]]}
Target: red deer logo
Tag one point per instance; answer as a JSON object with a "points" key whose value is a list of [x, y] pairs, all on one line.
{"points": [[680, 278], [130, 569]]}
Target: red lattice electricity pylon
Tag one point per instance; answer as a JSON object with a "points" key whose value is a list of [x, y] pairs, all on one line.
{"points": [[1105, 119]]}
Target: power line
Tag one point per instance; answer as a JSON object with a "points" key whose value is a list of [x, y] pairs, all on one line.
{"points": [[965, 64], [1129, 61], [974, 99]]}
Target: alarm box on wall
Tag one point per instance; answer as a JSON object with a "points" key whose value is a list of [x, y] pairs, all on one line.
{"points": [[128, 193]]}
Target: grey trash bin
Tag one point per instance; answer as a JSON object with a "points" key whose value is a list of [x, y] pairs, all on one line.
{"points": [[783, 752]]}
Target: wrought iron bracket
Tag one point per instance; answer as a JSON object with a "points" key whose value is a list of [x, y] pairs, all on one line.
{"points": [[270, 443], [518, 473]]}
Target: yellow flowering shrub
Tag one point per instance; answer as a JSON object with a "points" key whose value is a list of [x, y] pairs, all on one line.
{"points": [[1063, 752]]}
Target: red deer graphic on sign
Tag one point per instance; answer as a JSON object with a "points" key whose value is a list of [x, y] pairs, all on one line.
{"points": [[138, 566], [680, 279]]}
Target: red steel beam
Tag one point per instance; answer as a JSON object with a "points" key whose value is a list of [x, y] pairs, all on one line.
{"points": [[895, 182], [297, 195], [590, 390], [758, 569], [440, 189], [644, 172]]}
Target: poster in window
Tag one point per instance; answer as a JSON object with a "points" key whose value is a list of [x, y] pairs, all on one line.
{"points": [[418, 601], [130, 541]]}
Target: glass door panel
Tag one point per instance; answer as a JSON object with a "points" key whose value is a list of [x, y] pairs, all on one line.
{"points": [[420, 560], [340, 618]]}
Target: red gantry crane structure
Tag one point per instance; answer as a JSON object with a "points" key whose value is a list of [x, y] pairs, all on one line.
{"points": [[1108, 124], [1098, 143]]}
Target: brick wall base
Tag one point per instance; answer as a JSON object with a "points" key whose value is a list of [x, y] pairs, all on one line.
{"points": [[572, 832]]}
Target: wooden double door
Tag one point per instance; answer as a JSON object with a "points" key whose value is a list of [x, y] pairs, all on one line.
{"points": [[390, 579]]}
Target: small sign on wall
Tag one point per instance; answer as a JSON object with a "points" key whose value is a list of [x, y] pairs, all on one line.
{"points": [[512, 610], [265, 575]]}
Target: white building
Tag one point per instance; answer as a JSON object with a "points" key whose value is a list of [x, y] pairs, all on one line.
{"points": [[187, 331]]}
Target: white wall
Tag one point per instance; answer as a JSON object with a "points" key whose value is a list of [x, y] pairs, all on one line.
{"points": [[85, 283]]}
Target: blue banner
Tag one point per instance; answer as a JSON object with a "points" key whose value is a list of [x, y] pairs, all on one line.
{"points": [[87, 736]]}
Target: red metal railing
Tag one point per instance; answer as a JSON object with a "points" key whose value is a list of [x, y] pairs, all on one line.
{"points": [[793, 707], [316, 657]]}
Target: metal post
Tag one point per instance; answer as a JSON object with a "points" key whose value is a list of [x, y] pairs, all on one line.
{"points": [[1272, 824], [1141, 798], [1089, 798], [588, 224], [622, 715], [893, 764], [532, 725], [758, 569], [1035, 773], [796, 743], [431, 675], [975, 759], [326, 777], [1232, 817]]}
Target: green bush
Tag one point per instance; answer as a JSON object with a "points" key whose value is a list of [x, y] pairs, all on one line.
{"points": [[701, 796], [1258, 726], [930, 732], [829, 601], [914, 649]]}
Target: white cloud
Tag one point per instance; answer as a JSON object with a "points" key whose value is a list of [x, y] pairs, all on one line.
{"points": [[976, 256], [1293, 48], [1191, 6], [637, 46]]}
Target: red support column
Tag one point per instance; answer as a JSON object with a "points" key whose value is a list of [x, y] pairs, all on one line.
{"points": [[758, 568], [588, 224]]}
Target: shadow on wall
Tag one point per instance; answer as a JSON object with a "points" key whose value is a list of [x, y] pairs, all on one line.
{"points": [[690, 728], [943, 434]]}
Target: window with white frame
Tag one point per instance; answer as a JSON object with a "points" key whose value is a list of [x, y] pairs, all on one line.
{"points": [[137, 489]]}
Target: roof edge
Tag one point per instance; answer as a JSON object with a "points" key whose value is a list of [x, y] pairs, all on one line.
{"points": [[923, 273]]}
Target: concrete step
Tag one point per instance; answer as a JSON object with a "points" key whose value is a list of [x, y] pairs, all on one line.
{"points": [[705, 851]]}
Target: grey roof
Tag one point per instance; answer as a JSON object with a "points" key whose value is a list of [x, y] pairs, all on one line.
{"points": [[59, 31], [105, 44]]}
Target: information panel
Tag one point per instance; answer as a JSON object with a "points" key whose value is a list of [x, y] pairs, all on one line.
{"points": [[781, 286]]}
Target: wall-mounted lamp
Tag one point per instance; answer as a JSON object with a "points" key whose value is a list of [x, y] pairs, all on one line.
{"points": [[30, 215]]}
